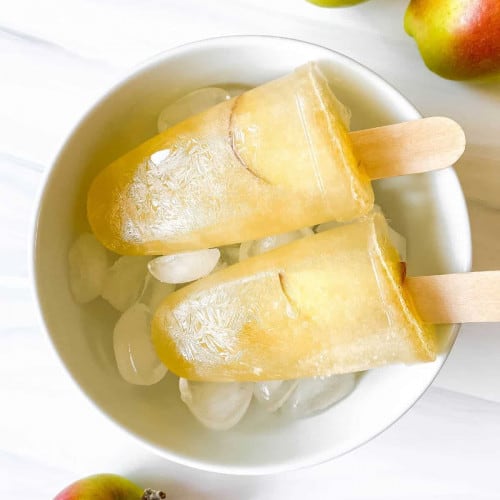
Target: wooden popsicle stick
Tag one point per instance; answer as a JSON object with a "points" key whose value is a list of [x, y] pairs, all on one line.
{"points": [[409, 147], [457, 298]]}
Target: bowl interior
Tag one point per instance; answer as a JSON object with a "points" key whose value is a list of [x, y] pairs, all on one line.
{"points": [[428, 209]]}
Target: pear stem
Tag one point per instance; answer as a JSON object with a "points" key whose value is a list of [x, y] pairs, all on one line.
{"points": [[150, 494]]}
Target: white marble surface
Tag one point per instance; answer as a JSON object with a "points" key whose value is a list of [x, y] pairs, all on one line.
{"points": [[56, 57]]}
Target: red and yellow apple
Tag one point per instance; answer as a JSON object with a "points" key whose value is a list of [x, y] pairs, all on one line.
{"points": [[458, 39], [107, 487]]}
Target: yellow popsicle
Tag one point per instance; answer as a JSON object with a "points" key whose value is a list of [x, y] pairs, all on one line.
{"points": [[272, 160], [330, 303]]}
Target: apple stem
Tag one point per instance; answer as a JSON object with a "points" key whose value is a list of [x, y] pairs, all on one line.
{"points": [[150, 494]]}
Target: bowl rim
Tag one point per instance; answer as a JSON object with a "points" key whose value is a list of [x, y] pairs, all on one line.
{"points": [[122, 79]]}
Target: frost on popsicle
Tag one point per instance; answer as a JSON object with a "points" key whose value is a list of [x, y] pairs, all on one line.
{"points": [[217, 405], [124, 281], [191, 104], [313, 395], [135, 355], [88, 264], [184, 267], [272, 394]]}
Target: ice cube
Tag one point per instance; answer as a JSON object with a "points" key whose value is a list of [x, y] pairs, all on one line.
{"points": [[257, 247], [189, 105], [217, 405], [154, 292], [124, 281], [273, 394], [184, 267], [88, 264], [134, 352], [315, 394]]}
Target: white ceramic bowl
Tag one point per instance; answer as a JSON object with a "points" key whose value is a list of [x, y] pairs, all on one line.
{"points": [[428, 209]]}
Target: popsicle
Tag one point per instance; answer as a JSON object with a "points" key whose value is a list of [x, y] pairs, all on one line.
{"points": [[330, 303], [277, 158]]}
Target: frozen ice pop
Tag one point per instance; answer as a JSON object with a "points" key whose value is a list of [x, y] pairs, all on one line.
{"points": [[330, 303], [271, 160]]}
